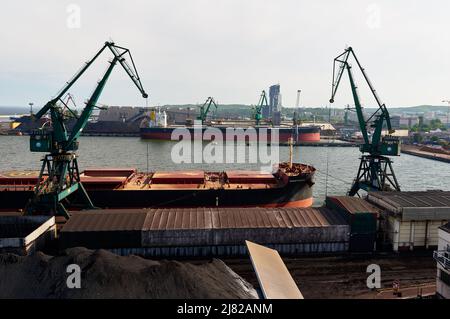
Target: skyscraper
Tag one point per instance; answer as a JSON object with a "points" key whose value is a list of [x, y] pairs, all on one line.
{"points": [[274, 102], [274, 98]]}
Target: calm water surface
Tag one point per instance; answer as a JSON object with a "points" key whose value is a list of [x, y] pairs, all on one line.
{"points": [[413, 173]]}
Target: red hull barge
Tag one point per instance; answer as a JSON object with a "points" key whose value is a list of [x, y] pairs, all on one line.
{"points": [[261, 133], [127, 188]]}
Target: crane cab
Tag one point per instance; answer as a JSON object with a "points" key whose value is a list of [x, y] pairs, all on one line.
{"points": [[40, 141], [390, 145]]}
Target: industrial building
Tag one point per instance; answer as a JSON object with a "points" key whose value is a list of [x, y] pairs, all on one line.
{"points": [[410, 220], [442, 257], [207, 231]]}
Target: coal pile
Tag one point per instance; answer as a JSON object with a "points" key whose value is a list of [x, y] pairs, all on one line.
{"points": [[106, 275]]}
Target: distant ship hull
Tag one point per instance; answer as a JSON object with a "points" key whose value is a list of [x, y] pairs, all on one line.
{"points": [[262, 134]]}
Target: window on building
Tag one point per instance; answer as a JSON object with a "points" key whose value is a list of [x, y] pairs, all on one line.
{"points": [[444, 277]]}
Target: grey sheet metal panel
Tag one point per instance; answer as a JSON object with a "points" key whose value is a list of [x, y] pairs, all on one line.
{"points": [[273, 276], [24, 235], [209, 226], [429, 213]]}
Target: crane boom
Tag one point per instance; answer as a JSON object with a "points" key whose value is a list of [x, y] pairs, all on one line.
{"points": [[375, 120], [258, 109], [204, 109], [68, 85], [90, 105], [59, 176], [375, 171]]}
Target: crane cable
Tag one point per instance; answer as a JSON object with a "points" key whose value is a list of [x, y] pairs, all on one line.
{"points": [[329, 175]]}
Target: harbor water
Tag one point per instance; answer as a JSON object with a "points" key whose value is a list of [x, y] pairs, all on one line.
{"points": [[336, 166]]}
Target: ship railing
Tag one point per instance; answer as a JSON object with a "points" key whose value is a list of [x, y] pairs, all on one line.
{"points": [[442, 257]]}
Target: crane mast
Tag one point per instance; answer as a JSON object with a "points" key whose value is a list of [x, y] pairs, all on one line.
{"points": [[205, 108], [375, 170], [59, 176], [296, 118], [257, 114]]}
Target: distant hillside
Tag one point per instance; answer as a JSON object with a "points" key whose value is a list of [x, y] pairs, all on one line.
{"points": [[421, 108], [226, 110], [417, 109]]}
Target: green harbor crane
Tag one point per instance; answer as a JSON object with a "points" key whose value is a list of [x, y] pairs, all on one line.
{"points": [[205, 108], [257, 110], [59, 176], [375, 171]]}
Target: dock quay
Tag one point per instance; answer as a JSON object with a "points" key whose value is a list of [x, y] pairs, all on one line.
{"points": [[322, 142], [416, 151]]}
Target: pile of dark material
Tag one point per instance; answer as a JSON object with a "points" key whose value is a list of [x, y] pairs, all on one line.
{"points": [[106, 275]]}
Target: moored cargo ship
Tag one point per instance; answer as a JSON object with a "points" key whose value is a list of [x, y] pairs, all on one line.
{"points": [[128, 188], [279, 134]]}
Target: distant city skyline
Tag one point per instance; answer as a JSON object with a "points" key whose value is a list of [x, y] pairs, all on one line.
{"points": [[186, 51]]}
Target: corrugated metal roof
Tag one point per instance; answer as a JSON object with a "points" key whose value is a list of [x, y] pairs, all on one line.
{"points": [[353, 204], [201, 218], [429, 205], [413, 199], [106, 220]]}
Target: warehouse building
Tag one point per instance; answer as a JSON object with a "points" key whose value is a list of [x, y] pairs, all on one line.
{"points": [[410, 220], [442, 256], [181, 232]]}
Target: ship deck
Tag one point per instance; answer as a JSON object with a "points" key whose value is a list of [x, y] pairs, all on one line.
{"points": [[123, 179]]}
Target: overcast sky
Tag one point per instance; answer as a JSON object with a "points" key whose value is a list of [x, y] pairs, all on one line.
{"points": [[187, 50]]}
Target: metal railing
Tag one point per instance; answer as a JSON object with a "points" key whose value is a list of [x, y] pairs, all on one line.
{"points": [[442, 257]]}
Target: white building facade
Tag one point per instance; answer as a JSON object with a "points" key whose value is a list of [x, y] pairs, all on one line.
{"points": [[442, 256]]}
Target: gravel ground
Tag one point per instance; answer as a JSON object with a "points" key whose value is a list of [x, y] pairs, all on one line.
{"points": [[345, 277], [106, 275]]}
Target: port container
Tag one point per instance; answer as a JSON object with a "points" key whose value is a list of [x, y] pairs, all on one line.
{"points": [[362, 218], [23, 235]]}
